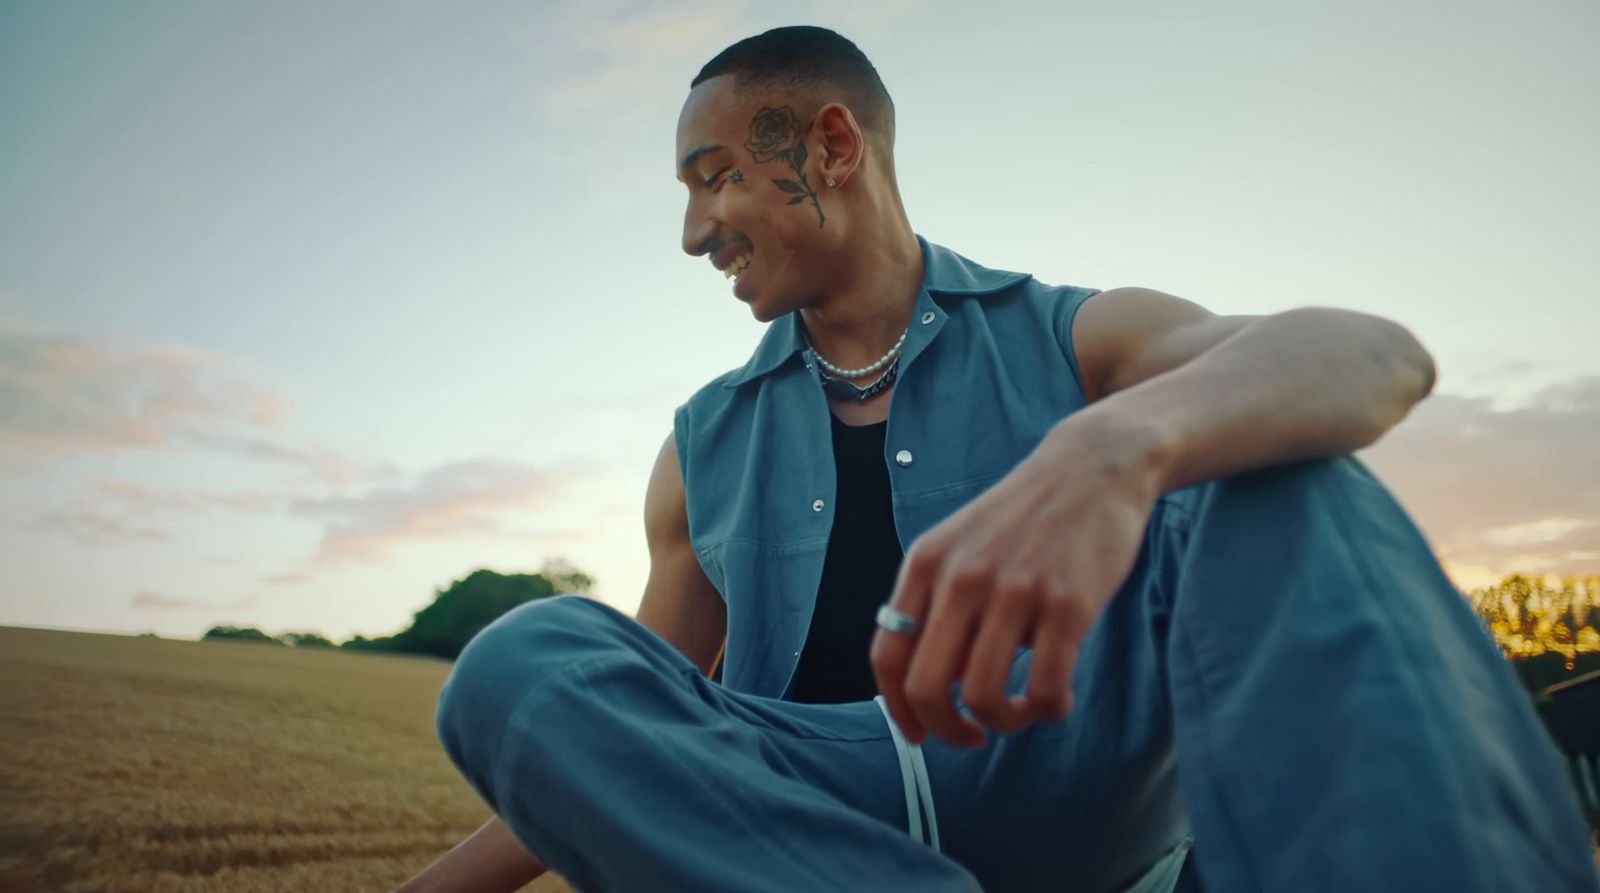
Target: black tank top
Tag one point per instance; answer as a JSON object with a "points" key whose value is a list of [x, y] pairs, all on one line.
{"points": [[857, 575]]}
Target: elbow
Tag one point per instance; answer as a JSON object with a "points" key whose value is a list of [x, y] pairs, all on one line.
{"points": [[1408, 368], [1415, 372]]}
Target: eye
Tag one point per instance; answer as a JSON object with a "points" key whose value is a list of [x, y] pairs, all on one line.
{"points": [[715, 179]]}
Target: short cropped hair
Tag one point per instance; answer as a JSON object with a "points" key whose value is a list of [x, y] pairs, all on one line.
{"points": [[813, 61]]}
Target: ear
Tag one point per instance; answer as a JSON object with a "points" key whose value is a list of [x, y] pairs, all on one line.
{"points": [[841, 143]]}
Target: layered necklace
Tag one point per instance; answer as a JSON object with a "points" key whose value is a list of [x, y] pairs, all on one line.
{"points": [[833, 377]]}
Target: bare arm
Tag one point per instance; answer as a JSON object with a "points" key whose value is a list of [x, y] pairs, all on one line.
{"points": [[1204, 396], [679, 603]]}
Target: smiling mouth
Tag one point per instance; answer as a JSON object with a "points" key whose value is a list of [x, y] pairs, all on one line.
{"points": [[738, 266]]}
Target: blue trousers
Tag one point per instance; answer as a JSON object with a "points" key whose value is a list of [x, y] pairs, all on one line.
{"points": [[1286, 677]]}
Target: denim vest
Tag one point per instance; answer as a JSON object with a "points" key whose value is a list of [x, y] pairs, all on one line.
{"points": [[987, 369]]}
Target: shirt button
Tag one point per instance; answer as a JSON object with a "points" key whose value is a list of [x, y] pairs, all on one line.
{"points": [[904, 458], [927, 317], [816, 506]]}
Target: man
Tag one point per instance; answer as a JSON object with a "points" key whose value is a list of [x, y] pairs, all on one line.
{"points": [[1106, 641]]}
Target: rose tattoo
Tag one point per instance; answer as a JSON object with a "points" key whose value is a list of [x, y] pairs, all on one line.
{"points": [[775, 136]]}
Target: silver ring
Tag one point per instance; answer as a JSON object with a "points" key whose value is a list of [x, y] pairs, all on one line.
{"points": [[896, 621]]}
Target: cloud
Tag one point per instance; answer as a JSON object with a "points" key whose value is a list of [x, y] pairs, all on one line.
{"points": [[463, 500], [1503, 490], [147, 600], [95, 528], [143, 500], [325, 464], [289, 578], [61, 395]]}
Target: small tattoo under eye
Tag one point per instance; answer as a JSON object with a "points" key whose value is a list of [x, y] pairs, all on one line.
{"points": [[737, 176]]}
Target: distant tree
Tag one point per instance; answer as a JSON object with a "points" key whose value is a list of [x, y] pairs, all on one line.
{"points": [[1549, 630], [444, 627], [1529, 615], [362, 643], [459, 611], [566, 578], [239, 634], [305, 640]]}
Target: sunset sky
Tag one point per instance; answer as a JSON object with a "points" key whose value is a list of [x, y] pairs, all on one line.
{"points": [[307, 309]]}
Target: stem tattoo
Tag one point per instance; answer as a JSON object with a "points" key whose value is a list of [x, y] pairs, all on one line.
{"points": [[775, 136]]}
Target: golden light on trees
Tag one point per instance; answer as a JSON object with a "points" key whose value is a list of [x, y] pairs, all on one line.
{"points": [[1530, 615]]}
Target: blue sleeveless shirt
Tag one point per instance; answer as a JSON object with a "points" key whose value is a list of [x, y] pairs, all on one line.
{"points": [[986, 371]]}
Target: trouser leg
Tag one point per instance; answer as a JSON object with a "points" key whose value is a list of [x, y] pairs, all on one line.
{"points": [[1343, 722], [620, 767]]}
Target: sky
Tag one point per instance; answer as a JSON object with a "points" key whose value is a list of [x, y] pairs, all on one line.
{"points": [[308, 310]]}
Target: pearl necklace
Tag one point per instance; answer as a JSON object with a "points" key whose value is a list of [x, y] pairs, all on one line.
{"points": [[864, 370]]}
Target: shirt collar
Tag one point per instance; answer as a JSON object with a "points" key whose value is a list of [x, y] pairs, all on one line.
{"points": [[943, 272]]}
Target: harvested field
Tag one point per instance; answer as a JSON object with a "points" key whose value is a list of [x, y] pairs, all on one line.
{"points": [[143, 765]]}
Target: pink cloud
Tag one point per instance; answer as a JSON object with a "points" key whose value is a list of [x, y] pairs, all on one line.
{"points": [[95, 528], [462, 500], [62, 395], [147, 600], [1503, 490], [141, 499]]}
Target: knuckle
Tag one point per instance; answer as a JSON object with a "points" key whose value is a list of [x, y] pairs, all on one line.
{"points": [[968, 578], [924, 557], [1015, 591], [1067, 609]]}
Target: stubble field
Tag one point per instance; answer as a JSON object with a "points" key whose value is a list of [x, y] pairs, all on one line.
{"points": [[142, 765]]}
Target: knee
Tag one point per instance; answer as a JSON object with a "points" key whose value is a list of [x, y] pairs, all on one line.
{"points": [[521, 650], [1335, 488]]}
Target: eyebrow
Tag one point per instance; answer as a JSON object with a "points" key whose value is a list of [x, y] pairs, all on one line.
{"points": [[689, 160]]}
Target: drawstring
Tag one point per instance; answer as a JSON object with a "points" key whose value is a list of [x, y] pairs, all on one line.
{"points": [[914, 778]]}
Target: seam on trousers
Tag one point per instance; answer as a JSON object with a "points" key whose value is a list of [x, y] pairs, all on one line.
{"points": [[1224, 805]]}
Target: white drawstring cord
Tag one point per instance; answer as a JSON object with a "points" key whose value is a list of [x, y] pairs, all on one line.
{"points": [[914, 778]]}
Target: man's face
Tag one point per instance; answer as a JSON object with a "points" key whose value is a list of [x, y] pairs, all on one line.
{"points": [[755, 204]]}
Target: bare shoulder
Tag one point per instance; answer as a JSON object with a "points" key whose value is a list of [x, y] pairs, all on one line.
{"points": [[666, 512]]}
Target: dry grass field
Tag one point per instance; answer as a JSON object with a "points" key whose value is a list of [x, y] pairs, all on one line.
{"points": [[143, 765]]}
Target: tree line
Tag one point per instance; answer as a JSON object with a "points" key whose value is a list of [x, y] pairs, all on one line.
{"points": [[445, 625]]}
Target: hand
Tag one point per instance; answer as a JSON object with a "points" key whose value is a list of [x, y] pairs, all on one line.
{"points": [[1030, 562]]}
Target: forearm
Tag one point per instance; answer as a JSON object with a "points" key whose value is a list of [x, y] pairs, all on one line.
{"points": [[490, 860], [1295, 385]]}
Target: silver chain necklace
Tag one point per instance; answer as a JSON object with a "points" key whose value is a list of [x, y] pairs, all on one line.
{"points": [[841, 388]]}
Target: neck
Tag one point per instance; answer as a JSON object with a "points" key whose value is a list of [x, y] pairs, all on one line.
{"points": [[875, 291]]}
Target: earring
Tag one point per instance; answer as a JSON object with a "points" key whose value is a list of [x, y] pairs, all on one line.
{"points": [[831, 184]]}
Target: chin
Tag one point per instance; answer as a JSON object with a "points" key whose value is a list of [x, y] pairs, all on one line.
{"points": [[766, 312]]}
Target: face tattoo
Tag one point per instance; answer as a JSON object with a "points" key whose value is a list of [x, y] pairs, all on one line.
{"points": [[775, 136]]}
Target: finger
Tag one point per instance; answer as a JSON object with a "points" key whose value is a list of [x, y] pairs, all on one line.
{"points": [[891, 652], [1055, 654], [994, 650], [940, 654]]}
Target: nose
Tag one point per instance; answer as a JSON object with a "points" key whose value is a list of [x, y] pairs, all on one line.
{"points": [[699, 229]]}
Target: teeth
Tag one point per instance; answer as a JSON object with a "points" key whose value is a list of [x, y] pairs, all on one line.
{"points": [[737, 267]]}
